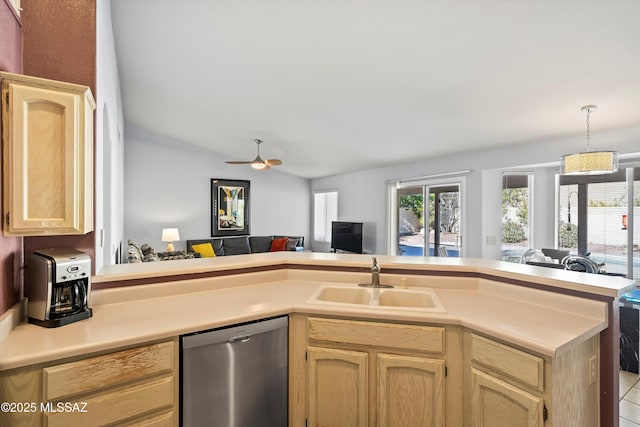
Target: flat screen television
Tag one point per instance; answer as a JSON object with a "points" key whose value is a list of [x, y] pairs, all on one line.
{"points": [[346, 236]]}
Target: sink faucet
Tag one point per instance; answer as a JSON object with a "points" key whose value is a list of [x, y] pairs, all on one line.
{"points": [[375, 273], [375, 277]]}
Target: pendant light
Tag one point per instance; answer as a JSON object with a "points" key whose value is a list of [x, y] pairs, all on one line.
{"points": [[590, 162]]}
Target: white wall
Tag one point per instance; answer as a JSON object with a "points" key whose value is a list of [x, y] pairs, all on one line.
{"points": [[109, 125], [362, 197], [168, 184]]}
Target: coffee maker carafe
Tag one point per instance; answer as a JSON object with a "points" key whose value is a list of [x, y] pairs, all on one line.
{"points": [[57, 285]]}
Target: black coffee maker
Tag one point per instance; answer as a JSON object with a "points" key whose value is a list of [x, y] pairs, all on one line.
{"points": [[57, 285]]}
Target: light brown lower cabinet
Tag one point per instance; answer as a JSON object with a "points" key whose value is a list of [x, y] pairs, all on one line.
{"points": [[132, 387], [361, 373], [357, 373], [510, 387], [342, 373]]}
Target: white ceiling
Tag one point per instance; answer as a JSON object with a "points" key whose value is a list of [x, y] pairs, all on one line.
{"points": [[339, 86]]}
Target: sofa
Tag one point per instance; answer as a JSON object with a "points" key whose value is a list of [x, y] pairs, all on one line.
{"points": [[238, 245]]}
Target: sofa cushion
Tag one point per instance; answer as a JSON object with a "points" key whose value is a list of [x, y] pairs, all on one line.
{"points": [[279, 244], [216, 244], [291, 244], [299, 241], [236, 245], [260, 243], [205, 250]]}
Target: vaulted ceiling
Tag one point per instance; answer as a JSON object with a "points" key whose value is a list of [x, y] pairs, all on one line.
{"points": [[338, 86]]}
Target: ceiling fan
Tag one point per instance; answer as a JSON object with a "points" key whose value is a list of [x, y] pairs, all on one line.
{"points": [[258, 162]]}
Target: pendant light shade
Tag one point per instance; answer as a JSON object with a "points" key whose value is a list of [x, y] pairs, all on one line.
{"points": [[590, 162]]}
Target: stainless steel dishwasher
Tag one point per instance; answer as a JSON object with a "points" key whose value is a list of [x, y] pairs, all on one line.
{"points": [[235, 376]]}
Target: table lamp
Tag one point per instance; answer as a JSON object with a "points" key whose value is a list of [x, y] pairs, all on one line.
{"points": [[170, 235]]}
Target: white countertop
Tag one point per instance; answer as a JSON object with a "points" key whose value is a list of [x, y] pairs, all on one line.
{"points": [[608, 286], [543, 322]]}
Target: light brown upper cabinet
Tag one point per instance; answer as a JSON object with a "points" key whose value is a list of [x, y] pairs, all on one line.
{"points": [[47, 135]]}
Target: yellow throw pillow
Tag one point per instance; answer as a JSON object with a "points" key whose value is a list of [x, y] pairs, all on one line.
{"points": [[205, 250]]}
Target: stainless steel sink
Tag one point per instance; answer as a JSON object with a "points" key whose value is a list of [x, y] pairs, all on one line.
{"points": [[423, 299]]}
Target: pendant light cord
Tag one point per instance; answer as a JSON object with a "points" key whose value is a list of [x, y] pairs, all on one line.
{"points": [[588, 123]]}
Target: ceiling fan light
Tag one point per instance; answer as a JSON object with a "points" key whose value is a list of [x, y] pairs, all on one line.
{"points": [[258, 163], [590, 163]]}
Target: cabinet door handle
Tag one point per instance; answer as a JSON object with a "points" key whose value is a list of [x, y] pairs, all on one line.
{"points": [[241, 338]]}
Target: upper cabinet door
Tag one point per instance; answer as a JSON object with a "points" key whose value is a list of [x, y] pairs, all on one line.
{"points": [[48, 157]]}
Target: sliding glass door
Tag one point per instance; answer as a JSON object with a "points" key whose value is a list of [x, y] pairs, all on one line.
{"points": [[427, 219], [599, 217]]}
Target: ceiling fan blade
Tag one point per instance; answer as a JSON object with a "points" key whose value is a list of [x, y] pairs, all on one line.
{"points": [[257, 163]]}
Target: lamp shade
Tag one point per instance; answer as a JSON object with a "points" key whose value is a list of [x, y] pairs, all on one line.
{"points": [[590, 163], [170, 235]]}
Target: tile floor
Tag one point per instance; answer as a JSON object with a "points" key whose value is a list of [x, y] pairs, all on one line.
{"points": [[629, 399]]}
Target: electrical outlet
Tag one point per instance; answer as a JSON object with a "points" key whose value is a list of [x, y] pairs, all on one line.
{"points": [[593, 370], [492, 240]]}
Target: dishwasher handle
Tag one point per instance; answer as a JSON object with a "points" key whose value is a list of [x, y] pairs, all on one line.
{"points": [[232, 333], [240, 338]]}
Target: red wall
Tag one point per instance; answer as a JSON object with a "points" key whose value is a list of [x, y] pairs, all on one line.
{"points": [[10, 247], [58, 41]]}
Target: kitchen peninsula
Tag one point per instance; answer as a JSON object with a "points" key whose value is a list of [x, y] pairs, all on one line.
{"points": [[541, 335]]}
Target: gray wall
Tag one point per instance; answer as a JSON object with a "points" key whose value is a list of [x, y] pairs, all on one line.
{"points": [[362, 195], [167, 184]]}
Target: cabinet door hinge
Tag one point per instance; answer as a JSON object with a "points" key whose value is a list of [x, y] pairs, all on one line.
{"points": [[445, 371], [6, 98], [306, 355], [545, 413], [7, 218]]}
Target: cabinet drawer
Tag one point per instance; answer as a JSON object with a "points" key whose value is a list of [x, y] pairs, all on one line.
{"points": [[105, 371], [167, 419], [515, 364], [119, 405], [408, 337]]}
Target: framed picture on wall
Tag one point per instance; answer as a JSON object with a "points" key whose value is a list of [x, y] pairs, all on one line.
{"points": [[229, 207]]}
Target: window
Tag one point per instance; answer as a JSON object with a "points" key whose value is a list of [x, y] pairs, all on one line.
{"points": [[325, 210], [516, 211]]}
